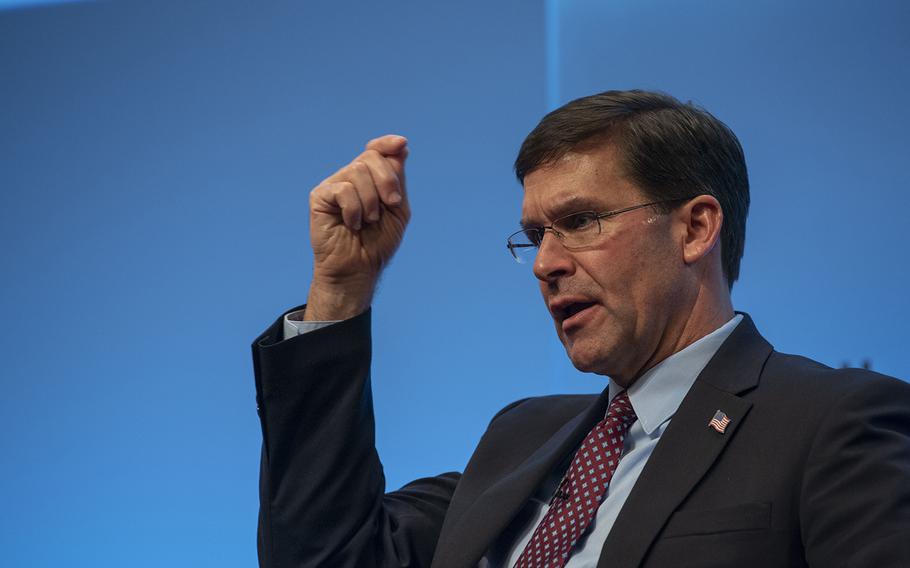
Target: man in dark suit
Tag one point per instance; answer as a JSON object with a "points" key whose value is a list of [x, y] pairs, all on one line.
{"points": [[708, 448]]}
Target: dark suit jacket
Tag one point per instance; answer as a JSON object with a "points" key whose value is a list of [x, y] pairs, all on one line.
{"points": [[814, 468]]}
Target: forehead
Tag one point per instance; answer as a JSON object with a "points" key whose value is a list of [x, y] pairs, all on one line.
{"points": [[576, 182]]}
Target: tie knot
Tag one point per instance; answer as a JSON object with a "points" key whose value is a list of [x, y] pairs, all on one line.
{"points": [[621, 409]]}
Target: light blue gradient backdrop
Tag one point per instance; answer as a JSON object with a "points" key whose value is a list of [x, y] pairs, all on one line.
{"points": [[155, 160]]}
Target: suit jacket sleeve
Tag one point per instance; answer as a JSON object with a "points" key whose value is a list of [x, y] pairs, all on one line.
{"points": [[322, 499], [855, 497]]}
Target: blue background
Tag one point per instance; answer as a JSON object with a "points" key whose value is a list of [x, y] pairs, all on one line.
{"points": [[155, 161]]}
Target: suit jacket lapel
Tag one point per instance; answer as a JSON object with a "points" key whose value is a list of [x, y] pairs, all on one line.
{"points": [[493, 509], [688, 447]]}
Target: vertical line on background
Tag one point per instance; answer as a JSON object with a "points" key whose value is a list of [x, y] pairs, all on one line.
{"points": [[551, 32], [551, 17]]}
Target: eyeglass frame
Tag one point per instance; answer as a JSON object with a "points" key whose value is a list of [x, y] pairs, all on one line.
{"points": [[542, 230]]}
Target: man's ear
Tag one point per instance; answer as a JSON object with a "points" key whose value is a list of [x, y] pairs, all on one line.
{"points": [[703, 219]]}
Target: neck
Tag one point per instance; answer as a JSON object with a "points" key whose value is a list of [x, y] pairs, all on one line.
{"points": [[708, 311]]}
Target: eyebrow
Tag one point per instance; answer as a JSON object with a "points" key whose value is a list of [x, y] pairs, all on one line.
{"points": [[574, 204]]}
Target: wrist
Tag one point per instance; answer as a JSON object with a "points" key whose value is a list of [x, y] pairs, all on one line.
{"points": [[328, 302]]}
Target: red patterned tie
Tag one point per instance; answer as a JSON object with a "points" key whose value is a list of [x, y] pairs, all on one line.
{"points": [[581, 491]]}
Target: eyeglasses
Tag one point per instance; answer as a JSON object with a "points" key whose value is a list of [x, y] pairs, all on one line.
{"points": [[573, 231]]}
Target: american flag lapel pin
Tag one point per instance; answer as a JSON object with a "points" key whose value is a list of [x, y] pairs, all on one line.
{"points": [[719, 422]]}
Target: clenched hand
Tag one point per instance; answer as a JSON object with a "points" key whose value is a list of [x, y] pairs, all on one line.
{"points": [[357, 220]]}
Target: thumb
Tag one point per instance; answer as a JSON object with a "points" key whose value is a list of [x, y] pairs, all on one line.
{"points": [[397, 161], [388, 145], [394, 147]]}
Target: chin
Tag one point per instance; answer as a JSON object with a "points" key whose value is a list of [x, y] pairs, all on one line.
{"points": [[587, 360]]}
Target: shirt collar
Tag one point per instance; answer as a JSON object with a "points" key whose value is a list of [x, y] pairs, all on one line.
{"points": [[657, 394]]}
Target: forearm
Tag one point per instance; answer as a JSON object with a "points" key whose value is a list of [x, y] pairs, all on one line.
{"points": [[321, 483], [319, 467]]}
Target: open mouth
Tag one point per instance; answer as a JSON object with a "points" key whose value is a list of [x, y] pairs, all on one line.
{"points": [[574, 308]]}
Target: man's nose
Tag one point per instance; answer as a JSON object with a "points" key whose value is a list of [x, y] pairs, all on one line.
{"points": [[553, 260]]}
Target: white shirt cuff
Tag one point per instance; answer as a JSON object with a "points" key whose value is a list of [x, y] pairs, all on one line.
{"points": [[294, 324]]}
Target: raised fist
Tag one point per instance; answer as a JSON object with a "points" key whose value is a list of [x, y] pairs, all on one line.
{"points": [[357, 220]]}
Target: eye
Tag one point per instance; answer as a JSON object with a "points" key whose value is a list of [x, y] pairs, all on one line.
{"points": [[577, 222], [534, 236]]}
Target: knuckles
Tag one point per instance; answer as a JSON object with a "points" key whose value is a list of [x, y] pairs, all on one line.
{"points": [[371, 165], [342, 187], [328, 189], [356, 168]]}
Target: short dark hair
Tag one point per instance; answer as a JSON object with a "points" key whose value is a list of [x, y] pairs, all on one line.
{"points": [[669, 149]]}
